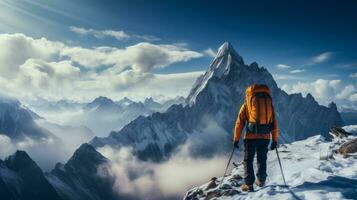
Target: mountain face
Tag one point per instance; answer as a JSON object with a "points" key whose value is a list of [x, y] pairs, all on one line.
{"points": [[216, 98], [21, 178], [78, 179], [17, 122]]}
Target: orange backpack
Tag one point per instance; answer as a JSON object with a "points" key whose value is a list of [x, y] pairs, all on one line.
{"points": [[260, 111]]}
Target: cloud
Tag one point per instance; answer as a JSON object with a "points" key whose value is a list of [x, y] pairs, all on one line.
{"points": [[54, 152], [283, 66], [36, 67], [353, 97], [347, 65], [322, 57], [210, 52], [140, 57], [149, 38], [285, 77], [295, 71], [19, 48], [346, 92], [353, 75], [326, 91], [119, 35], [170, 179], [202, 157]]}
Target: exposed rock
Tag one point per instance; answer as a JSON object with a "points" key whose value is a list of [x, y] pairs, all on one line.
{"points": [[338, 132], [211, 184], [348, 147]]}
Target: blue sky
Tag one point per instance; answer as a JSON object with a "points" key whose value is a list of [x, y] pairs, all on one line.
{"points": [[306, 45]]}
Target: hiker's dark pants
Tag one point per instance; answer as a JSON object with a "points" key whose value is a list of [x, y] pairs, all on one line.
{"points": [[252, 146]]}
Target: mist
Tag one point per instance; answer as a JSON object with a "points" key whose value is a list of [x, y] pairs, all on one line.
{"points": [[202, 157]]}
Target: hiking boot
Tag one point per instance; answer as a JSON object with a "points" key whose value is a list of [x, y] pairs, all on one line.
{"points": [[247, 188], [259, 183]]}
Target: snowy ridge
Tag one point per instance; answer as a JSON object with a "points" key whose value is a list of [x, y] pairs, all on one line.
{"points": [[311, 170]]}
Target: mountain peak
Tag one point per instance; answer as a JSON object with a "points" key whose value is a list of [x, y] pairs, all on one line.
{"points": [[102, 99], [227, 49], [20, 160], [86, 156]]}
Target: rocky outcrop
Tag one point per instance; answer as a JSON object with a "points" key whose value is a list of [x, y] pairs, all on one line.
{"points": [[348, 148]]}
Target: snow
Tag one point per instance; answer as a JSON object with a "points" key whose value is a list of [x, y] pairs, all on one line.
{"points": [[308, 172]]}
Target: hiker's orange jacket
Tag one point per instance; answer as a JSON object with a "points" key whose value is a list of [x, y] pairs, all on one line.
{"points": [[240, 122]]}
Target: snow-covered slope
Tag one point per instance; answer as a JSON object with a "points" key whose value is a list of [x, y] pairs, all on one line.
{"points": [[311, 170], [17, 122], [214, 101]]}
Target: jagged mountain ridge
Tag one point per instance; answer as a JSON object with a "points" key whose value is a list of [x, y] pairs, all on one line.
{"points": [[18, 122], [78, 179], [217, 95]]}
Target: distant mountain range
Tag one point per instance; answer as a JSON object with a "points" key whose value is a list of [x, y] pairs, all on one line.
{"points": [[102, 115], [215, 99]]}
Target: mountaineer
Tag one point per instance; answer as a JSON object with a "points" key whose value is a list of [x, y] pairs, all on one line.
{"points": [[257, 114]]}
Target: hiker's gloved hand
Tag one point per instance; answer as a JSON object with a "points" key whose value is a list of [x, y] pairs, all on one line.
{"points": [[235, 144], [273, 145]]}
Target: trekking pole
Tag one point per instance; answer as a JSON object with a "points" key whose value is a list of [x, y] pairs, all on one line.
{"points": [[230, 158], [281, 168]]}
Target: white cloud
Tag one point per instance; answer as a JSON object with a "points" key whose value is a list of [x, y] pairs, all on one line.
{"points": [[119, 35], [285, 77], [353, 75], [322, 57], [283, 66], [325, 91], [149, 38], [54, 152], [18, 48], [346, 92], [140, 57], [353, 97], [210, 52], [40, 67], [159, 180], [295, 71]]}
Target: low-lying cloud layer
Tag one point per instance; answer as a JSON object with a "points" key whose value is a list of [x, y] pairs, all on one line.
{"points": [[164, 180], [203, 156], [46, 152]]}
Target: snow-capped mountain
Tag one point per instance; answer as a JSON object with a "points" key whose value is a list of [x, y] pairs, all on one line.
{"points": [[312, 169], [17, 122], [215, 99], [78, 179], [101, 115]]}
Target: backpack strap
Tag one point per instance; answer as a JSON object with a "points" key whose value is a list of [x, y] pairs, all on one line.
{"points": [[258, 96], [266, 109]]}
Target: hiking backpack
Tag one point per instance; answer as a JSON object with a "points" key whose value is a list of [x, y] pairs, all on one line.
{"points": [[260, 111]]}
